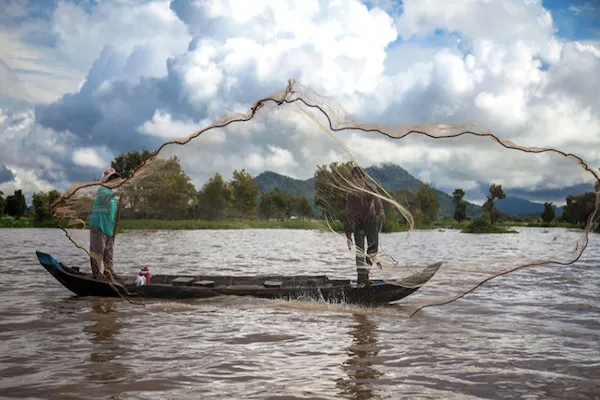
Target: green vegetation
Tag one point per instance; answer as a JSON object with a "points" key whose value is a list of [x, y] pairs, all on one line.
{"points": [[423, 205], [42, 203], [390, 176], [315, 224], [27, 222], [244, 193], [480, 225], [2, 203], [214, 199], [578, 208], [268, 181], [540, 224], [460, 212], [330, 195], [548, 214], [14, 205], [165, 192], [331, 187], [165, 198], [151, 224], [12, 222], [125, 164], [281, 206], [489, 206]]}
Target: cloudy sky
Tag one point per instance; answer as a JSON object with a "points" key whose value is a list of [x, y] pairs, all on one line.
{"points": [[82, 81]]}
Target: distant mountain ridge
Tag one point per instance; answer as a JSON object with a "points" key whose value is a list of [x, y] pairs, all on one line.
{"points": [[523, 207], [394, 177], [268, 180]]}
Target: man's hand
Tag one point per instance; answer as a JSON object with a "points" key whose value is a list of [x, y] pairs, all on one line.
{"points": [[349, 240], [382, 217]]}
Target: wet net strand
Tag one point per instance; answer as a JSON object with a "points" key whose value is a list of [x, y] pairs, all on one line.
{"points": [[313, 107]]}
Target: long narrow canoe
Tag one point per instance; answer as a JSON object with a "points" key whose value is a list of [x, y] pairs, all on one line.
{"points": [[317, 287]]}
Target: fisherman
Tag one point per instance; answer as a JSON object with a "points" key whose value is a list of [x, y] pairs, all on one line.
{"points": [[102, 228], [362, 210]]}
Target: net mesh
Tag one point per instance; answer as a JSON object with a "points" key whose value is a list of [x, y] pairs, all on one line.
{"points": [[165, 185]]}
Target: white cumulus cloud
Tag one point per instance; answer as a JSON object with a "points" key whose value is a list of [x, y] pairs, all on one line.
{"points": [[89, 158], [155, 70]]}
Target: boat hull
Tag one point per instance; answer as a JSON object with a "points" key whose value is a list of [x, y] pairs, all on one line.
{"points": [[179, 287]]}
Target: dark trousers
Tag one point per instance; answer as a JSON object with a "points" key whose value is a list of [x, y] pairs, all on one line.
{"points": [[365, 230]]}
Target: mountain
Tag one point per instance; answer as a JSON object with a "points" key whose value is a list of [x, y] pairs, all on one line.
{"points": [[540, 195], [294, 187], [394, 177], [519, 206], [390, 176]]}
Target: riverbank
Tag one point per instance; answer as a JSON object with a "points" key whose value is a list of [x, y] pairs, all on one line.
{"points": [[155, 224], [9, 222], [482, 226], [151, 224], [315, 224], [451, 224]]}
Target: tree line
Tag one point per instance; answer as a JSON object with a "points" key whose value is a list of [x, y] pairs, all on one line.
{"points": [[490, 212], [577, 210], [14, 205], [330, 192], [240, 198], [166, 192]]}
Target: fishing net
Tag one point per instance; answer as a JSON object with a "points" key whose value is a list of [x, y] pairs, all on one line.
{"points": [[310, 132]]}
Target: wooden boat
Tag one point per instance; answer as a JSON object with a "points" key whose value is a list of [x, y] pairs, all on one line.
{"points": [[317, 287]]}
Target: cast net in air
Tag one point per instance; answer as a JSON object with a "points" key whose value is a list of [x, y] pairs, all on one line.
{"points": [[460, 176]]}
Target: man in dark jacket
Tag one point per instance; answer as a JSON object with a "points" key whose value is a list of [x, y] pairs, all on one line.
{"points": [[362, 210]]}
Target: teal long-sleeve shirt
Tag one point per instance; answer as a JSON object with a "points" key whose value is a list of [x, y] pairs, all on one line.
{"points": [[104, 211]]}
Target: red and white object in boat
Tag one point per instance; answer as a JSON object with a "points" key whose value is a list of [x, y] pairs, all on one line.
{"points": [[143, 277]]}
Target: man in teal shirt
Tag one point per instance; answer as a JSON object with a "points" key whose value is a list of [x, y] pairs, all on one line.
{"points": [[102, 229]]}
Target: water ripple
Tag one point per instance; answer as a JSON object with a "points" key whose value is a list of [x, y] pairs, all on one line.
{"points": [[532, 334]]}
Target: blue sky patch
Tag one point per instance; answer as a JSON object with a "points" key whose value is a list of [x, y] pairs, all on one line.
{"points": [[575, 20]]}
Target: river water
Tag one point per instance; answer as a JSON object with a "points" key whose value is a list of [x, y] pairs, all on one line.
{"points": [[531, 334]]}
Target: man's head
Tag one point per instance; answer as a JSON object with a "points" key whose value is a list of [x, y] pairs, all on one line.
{"points": [[109, 175]]}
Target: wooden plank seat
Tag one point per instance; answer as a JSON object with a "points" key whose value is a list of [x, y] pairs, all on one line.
{"points": [[273, 284]]}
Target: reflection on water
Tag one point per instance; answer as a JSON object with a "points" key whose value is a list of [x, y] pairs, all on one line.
{"points": [[102, 332], [362, 374], [531, 334]]}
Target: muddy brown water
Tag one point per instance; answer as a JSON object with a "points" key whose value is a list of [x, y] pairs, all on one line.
{"points": [[532, 334]]}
